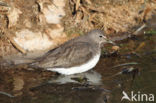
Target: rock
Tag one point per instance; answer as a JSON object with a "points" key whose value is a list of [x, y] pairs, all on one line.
{"points": [[13, 16], [32, 41], [18, 83], [115, 48], [53, 12]]}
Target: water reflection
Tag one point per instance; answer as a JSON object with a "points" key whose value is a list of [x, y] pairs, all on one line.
{"points": [[57, 93], [80, 88], [90, 78]]}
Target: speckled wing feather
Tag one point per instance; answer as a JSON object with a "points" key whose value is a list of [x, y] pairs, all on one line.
{"points": [[68, 55]]}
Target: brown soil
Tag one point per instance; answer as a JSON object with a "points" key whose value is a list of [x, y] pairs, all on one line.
{"points": [[112, 16]]}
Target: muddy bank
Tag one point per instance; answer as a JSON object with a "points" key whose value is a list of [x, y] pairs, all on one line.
{"points": [[40, 25]]}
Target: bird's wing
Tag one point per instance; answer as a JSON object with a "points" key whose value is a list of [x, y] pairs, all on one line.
{"points": [[67, 56]]}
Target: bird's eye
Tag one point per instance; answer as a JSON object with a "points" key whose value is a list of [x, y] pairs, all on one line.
{"points": [[100, 36]]}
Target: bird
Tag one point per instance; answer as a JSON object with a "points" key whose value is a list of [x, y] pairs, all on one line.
{"points": [[74, 56]]}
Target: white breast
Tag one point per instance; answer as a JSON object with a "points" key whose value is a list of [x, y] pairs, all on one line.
{"points": [[79, 69]]}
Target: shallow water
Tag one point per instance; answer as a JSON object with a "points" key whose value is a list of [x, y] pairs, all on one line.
{"points": [[131, 69]]}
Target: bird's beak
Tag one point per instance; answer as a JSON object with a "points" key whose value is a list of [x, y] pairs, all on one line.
{"points": [[111, 42]]}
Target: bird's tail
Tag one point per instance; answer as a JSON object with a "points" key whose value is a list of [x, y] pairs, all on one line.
{"points": [[7, 64]]}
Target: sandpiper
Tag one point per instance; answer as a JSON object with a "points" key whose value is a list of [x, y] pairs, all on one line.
{"points": [[75, 56]]}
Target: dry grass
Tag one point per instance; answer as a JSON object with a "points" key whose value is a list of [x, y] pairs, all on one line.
{"points": [[112, 16]]}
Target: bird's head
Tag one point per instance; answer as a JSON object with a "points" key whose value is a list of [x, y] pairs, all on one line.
{"points": [[99, 37]]}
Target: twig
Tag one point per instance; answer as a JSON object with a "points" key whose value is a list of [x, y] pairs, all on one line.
{"points": [[125, 64], [129, 35], [139, 29], [7, 94], [16, 45], [100, 10], [89, 2], [77, 4]]}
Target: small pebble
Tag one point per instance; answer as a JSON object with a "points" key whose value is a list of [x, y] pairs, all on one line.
{"points": [[115, 48]]}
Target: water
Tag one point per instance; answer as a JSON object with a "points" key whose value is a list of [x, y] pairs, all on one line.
{"points": [[132, 69]]}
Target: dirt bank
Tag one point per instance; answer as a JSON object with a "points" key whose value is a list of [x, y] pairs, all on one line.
{"points": [[38, 25]]}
